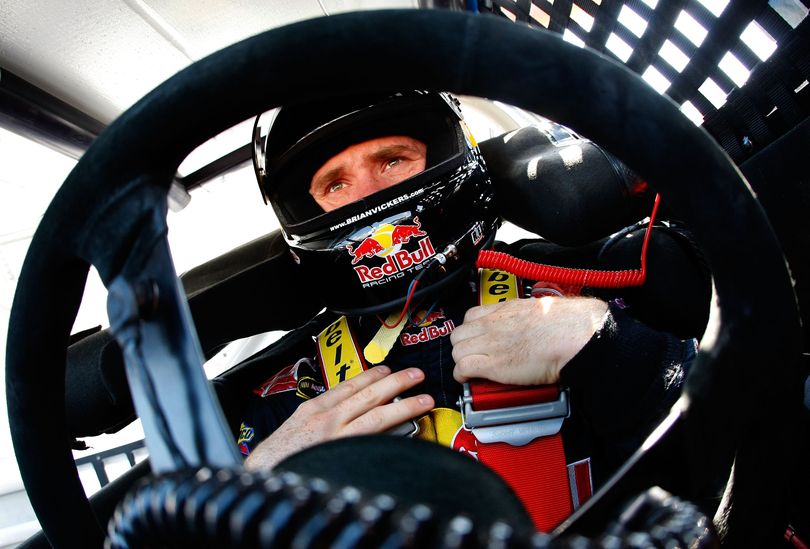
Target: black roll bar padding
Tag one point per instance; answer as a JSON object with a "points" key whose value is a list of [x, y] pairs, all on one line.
{"points": [[570, 193], [352, 52], [260, 276]]}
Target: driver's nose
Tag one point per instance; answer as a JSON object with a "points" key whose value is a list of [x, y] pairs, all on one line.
{"points": [[369, 183]]}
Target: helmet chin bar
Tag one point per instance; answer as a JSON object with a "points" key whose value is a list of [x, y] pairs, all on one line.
{"points": [[457, 254]]}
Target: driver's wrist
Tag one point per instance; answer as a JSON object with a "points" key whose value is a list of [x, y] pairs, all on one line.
{"points": [[592, 314]]}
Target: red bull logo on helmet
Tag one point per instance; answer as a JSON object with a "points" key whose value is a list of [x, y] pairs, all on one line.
{"points": [[386, 241]]}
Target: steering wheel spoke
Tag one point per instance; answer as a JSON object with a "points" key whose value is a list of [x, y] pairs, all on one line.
{"points": [[149, 317]]}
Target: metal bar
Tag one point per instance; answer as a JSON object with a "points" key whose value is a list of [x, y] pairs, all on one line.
{"points": [[38, 115]]}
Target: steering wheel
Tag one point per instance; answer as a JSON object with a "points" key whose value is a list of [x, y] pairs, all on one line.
{"points": [[111, 212]]}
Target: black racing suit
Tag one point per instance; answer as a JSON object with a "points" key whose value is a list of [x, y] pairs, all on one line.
{"points": [[622, 382]]}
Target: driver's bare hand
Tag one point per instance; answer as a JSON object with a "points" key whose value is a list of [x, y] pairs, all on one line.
{"points": [[524, 341], [359, 406]]}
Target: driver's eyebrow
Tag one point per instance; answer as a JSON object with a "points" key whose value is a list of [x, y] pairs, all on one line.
{"points": [[393, 150]]}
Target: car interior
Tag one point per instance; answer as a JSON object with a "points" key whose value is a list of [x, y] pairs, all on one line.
{"points": [[727, 467]]}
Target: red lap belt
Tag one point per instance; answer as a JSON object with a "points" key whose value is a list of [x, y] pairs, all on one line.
{"points": [[517, 432]]}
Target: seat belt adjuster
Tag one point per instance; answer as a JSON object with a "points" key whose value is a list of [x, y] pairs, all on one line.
{"points": [[515, 425]]}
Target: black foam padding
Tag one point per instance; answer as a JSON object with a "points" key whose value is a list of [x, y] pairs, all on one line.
{"points": [[570, 193], [676, 294], [252, 289], [97, 398]]}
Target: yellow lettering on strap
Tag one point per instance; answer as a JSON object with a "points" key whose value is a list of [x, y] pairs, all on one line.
{"points": [[496, 286], [338, 354]]}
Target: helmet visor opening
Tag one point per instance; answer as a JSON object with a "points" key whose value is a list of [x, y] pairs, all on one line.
{"points": [[423, 118]]}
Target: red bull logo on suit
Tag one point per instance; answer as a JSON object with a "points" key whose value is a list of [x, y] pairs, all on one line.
{"points": [[386, 242], [429, 329]]}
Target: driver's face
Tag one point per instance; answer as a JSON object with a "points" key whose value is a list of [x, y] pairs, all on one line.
{"points": [[366, 168]]}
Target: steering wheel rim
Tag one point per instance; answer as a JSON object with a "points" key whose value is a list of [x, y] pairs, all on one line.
{"points": [[135, 158]]}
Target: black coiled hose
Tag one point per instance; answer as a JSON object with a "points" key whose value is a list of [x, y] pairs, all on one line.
{"points": [[226, 508]]}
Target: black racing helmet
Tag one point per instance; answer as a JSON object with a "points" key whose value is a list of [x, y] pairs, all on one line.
{"points": [[363, 257]]}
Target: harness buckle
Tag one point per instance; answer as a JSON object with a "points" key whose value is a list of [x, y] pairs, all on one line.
{"points": [[515, 425], [405, 429]]}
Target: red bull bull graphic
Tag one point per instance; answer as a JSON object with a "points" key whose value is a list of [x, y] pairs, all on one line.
{"points": [[369, 247], [403, 233], [386, 241], [431, 317]]}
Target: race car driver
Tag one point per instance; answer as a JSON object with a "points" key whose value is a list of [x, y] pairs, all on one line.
{"points": [[385, 201]]}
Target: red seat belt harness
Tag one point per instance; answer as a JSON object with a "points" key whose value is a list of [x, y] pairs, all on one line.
{"points": [[516, 429], [517, 434]]}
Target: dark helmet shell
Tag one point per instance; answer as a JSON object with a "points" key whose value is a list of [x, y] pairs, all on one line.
{"points": [[362, 257]]}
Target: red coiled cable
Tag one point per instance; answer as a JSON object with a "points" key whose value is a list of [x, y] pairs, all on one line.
{"points": [[489, 259]]}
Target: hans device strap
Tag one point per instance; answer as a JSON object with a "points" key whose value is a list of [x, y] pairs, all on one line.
{"points": [[340, 359], [338, 353]]}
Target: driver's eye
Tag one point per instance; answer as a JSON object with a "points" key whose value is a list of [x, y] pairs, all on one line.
{"points": [[335, 187], [392, 163]]}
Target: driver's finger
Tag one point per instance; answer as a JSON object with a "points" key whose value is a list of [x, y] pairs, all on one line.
{"points": [[382, 418], [379, 392], [346, 389], [468, 330], [473, 366], [491, 343], [480, 311]]}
